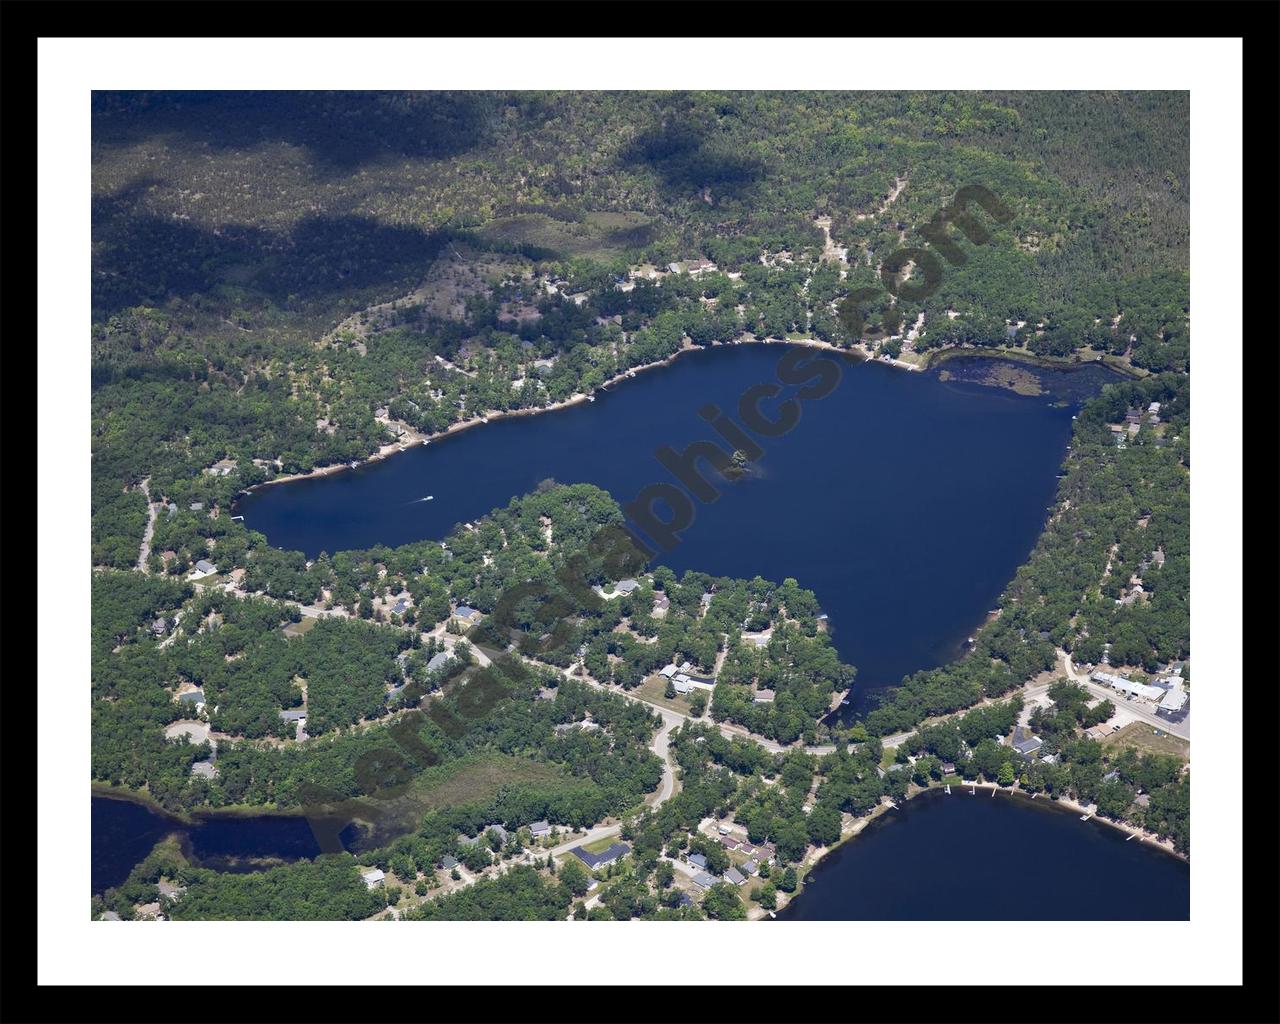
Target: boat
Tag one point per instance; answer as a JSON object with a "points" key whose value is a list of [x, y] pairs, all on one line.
{"points": [[591, 398], [845, 701], [429, 497]]}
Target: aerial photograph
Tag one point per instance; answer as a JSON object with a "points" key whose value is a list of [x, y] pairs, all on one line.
{"points": [[618, 505]]}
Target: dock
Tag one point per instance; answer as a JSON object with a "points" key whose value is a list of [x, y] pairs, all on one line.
{"points": [[948, 789]]}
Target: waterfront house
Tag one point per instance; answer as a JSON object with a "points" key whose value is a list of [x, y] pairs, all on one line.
{"points": [[1025, 743]]}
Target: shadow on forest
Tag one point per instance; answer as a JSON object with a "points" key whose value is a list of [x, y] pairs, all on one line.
{"points": [[689, 158], [142, 259], [342, 130]]}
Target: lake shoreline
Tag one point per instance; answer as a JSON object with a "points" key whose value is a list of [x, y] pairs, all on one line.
{"points": [[578, 398], [1063, 804]]}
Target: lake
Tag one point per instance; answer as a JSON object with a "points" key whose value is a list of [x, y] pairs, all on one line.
{"points": [[984, 858], [124, 832], [904, 500]]}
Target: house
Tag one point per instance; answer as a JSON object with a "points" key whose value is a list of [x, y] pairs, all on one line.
{"points": [[293, 714], [204, 769], [467, 614], [704, 880], [159, 627], [735, 876], [1174, 700], [947, 768], [681, 684], [725, 830], [539, 829], [448, 863], [108, 915], [697, 860], [373, 878], [605, 857], [172, 507], [685, 900], [1025, 743], [626, 586], [667, 671], [195, 506], [763, 697], [205, 567], [1049, 759], [1097, 733], [750, 868], [195, 696], [661, 602], [747, 849], [438, 660], [730, 842], [1127, 686], [400, 607]]}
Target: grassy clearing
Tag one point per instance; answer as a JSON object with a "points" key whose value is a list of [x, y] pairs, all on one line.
{"points": [[301, 628], [478, 777], [600, 845], [653, 690], [602, 234], [1142, 736]]}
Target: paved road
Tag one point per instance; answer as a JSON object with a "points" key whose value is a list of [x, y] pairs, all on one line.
{"points": [[1180, 729]]}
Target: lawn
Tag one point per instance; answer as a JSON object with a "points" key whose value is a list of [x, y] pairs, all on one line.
{"points": [[300, 628], [600, 845], [1142, 736], [652, 690]]}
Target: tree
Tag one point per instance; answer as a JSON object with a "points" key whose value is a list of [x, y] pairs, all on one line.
{"points": [[574, 876], [1006, 774], [664, 874], [787, 883], [723, 903], [768, 897]]}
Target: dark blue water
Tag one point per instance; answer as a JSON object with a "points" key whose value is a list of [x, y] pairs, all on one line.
{"points": [[905, 502], [984, 858], [124, 832]]}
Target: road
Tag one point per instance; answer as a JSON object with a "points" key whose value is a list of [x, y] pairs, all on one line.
{"points": [[1180, 729], [144, 552]]}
